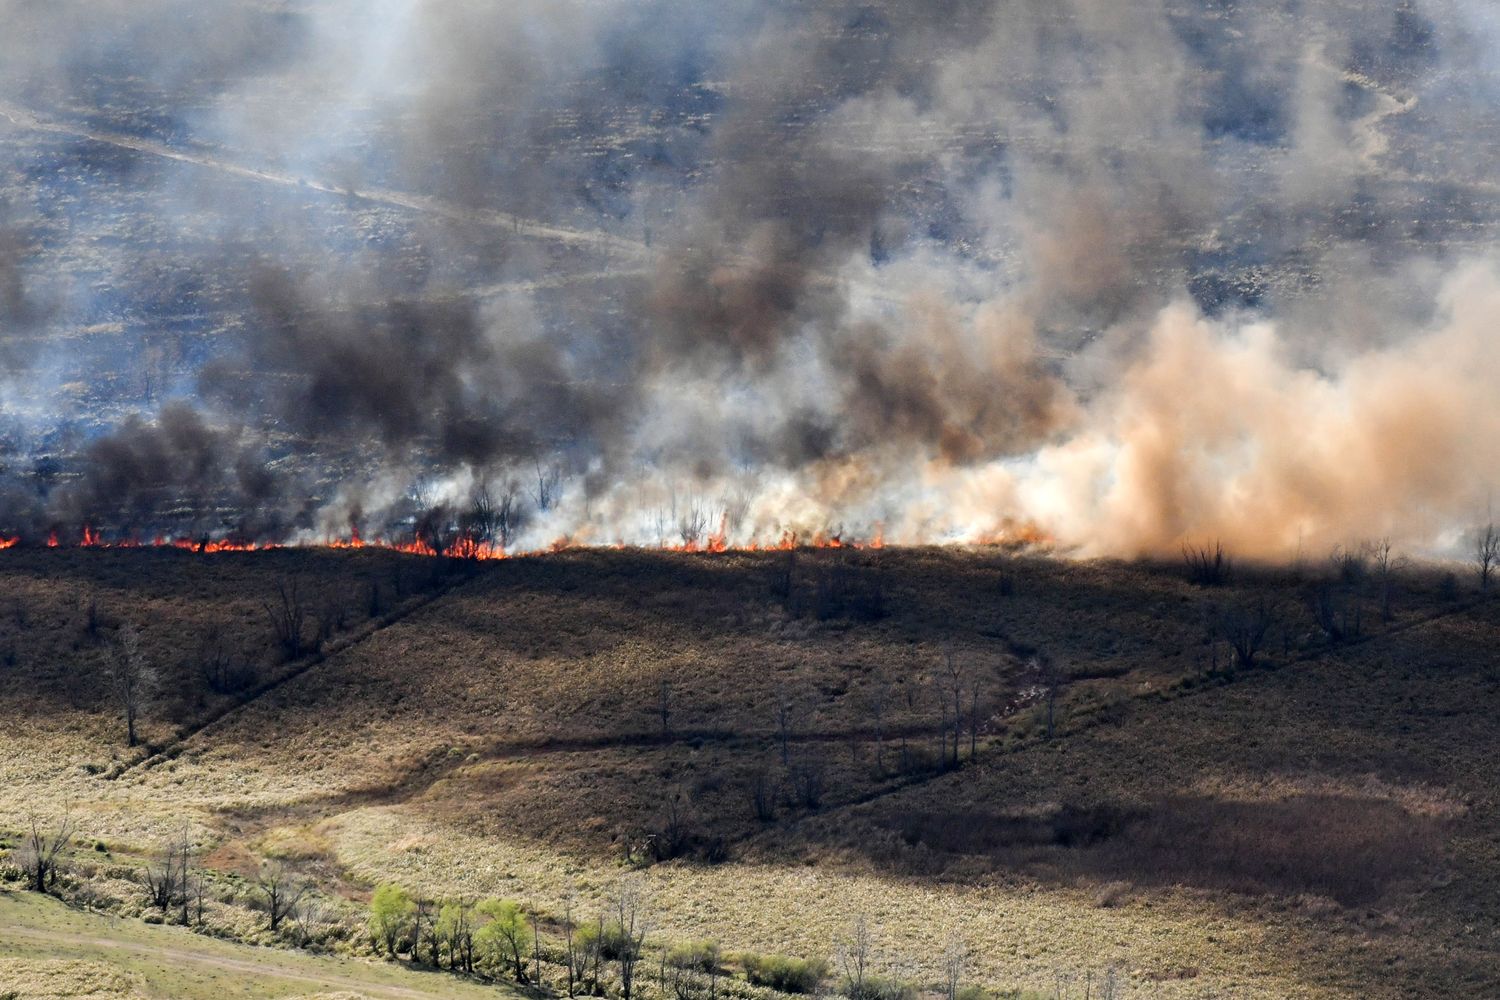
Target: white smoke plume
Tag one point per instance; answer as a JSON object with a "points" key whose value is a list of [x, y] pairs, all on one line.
{"points": [[1116, 275]]}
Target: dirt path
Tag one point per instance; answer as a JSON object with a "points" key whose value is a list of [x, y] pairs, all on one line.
{"points": [[266, 964], [331, 649], [22, 118]]}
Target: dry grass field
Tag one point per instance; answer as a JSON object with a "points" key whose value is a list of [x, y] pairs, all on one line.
{"points": [[1319, 823]]}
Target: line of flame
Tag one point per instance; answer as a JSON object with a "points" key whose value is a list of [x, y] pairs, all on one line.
{"points": [[462, 548]]}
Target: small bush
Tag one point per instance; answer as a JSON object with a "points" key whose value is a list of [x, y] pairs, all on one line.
{"points": [[1448, 588], [702, 956], [875, 988], [1112, 895], [805, 785], [762, 794], [1207, 567], [842, 591], [787, 975]]}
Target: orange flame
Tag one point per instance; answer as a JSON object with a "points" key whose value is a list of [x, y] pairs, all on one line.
{"points": [[467, 547]]}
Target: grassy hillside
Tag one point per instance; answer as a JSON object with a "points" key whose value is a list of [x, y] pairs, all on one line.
{"points": [[1316, 823], [53, 951]]}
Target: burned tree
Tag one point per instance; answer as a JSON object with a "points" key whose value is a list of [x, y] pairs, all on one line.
{"points": [[435, 528], [1244, 626], [664, 707], [878, 700], [1207, 567], [492, 517], [785, 715], [548, 486], [1386, 565], [762, 795], [131, 677], [692, 525], [288, 613], [953, 676], [1051, 677], [1486, 553], [222, 673], [1336, 610]]}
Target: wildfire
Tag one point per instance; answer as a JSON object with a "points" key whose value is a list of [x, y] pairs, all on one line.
{"points": [[461, 546]]}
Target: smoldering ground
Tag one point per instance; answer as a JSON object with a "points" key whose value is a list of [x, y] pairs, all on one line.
{"points": [[1120, 274]]}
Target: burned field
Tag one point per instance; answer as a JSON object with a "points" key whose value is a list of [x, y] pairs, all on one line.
{"points": [[1069, 764]]}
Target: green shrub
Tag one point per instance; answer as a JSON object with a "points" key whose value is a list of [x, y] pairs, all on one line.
{"points": [[874, 988], [788, 975], [701, 956]]}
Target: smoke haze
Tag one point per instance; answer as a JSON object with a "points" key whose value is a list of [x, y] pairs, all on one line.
{"points": [[1122, 275]]}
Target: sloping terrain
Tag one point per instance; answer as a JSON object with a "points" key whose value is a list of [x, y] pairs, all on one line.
{"points": [[1318, 823]]}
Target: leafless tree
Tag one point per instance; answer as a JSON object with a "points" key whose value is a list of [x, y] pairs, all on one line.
{"points": [[877, 701], [784, 722], [1349, 564], [436, 528], [481, 522], [507, 516], [1245, 625], [221, 671], [633, 924], [692, 524], [89, 606], [548, 486], [167, 875], [953, 675], [421, 494], [806, 781], [1386, 565], [973, 717], [311, 916], [572, 952], [762, 796], [288, 613], [670, 839], [132, 679], [664, 706], [331, 619], [784, 578], [42, 847], [1486, 553], [1337, 611], [855, 953], [955, 961], [280, 891], [492, 517], [1052, 678]]}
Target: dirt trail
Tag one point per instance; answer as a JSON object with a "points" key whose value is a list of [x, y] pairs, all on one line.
{"points": [[263, 966], [297, 669], [22, 118]]}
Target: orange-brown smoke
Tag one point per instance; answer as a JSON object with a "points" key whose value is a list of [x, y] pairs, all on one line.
{"points": [[1216, 433]]}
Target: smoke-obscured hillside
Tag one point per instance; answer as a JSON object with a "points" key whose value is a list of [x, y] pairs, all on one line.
{"points": [[1115, 274]]}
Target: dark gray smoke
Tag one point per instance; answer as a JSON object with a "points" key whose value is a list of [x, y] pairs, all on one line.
{"points": [[927, 269]]}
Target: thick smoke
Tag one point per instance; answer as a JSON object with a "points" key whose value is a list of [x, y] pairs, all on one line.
{"points": [[1122, 275]]}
